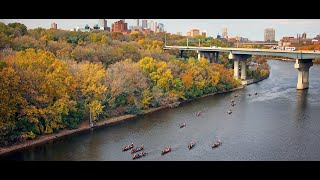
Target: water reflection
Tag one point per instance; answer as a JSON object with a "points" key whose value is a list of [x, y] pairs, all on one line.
{"points": [[302, 113]]}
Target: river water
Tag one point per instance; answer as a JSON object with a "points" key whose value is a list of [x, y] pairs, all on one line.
{"points": [[279, 123]]}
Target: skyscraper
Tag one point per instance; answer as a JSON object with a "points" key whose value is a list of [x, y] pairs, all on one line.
{"points": [[136, 22], [304, 35], [54, 25], [225, 32], [144, 24], [155, 27], [151, 25], [269, 35], [103, 24], [161, 27]]}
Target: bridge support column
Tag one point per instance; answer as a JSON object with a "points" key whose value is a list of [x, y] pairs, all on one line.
{"points": [[216, 59], [236, 58], [203, 55], [244, 70], [181, 53], [211, 57], [207, 55], [303, 67], [236, 68]]}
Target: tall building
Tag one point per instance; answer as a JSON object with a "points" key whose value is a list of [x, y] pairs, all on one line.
{"points": [[119, 26], [144, 24], [225, 32], [135, 22], [269, 35], [179, 33], [204, 33], [194, 32], [155, 27], [161, 27], [54, 25], [151, 25], [304, 35], [103, 24]]}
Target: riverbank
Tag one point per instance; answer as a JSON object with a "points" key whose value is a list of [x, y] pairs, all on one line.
{"points": [[85, 127], [251, 81], [281, 59]]}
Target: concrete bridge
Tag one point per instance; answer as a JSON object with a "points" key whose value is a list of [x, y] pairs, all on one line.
{"points": [[257, 43], [303, 59]]}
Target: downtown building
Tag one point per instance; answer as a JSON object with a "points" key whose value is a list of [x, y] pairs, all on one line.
{"points": [[120, 26], [193, 32], [54, 25], [292, 41], [269, 35], [144, 24], [225, 33], [103, 25]]}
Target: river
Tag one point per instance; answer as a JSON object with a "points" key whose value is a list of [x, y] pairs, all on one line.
{"points": [[279, 123]]}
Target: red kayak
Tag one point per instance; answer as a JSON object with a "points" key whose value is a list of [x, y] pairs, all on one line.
{"points": [[127, 147], [166, 150], [137, 149]]}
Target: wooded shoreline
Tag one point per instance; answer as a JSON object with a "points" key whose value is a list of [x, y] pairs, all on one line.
{"points": [[85, 127]]}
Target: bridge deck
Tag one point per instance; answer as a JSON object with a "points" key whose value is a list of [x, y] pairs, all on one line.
{"points": [[249, 51]]}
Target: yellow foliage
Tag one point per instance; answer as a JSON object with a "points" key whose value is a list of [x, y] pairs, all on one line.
{"points": [[146, 99], [91, 81]]}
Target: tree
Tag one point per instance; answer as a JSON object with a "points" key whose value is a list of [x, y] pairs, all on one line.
{"points": [[47, 87], [91, 85], [11, 101], [18, 29], [132, 84]]}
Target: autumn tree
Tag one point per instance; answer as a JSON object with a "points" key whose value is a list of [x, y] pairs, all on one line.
{"points": [[126, 80], [91, 86]]}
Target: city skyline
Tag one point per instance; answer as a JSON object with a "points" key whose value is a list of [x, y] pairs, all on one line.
{"points": [[247, 28]]}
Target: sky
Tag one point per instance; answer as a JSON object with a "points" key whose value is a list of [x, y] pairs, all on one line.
{"points": [[247, 28]]}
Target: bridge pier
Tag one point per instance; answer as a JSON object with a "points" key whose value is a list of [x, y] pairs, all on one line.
{"points": [[216, 59], [211, 56], [181, 53], [244, 70], [303, 67], [236, 59], [236, 68]]}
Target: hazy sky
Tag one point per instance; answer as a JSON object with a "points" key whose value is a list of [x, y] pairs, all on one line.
{"points": [[250, 28]]}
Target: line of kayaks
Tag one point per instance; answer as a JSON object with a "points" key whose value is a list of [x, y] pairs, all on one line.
{"points": [[134, 150], [163, 152]]}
